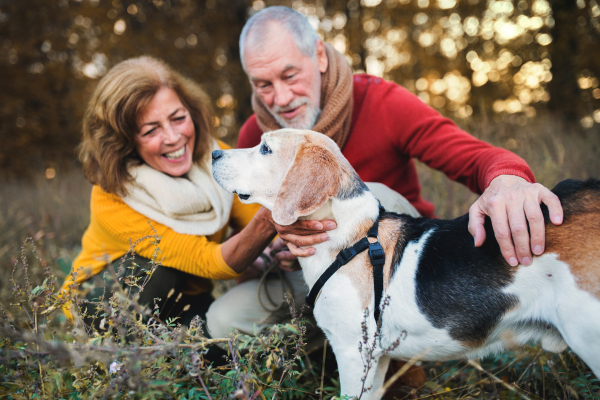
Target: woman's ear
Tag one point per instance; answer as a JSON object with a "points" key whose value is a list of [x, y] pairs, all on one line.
{"points": [[313, 178]]}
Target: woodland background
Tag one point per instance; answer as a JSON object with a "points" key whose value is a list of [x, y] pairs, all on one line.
{"points": [[521, 61], [520, 74]]}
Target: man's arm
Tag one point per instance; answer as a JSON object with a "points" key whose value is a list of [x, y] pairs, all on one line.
{"points": [[250, 134], [511, 198]]}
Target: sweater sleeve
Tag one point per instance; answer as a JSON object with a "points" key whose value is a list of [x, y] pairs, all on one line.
{"points": [[250, 134], [439, 143], [192, 254], [242, 214]]}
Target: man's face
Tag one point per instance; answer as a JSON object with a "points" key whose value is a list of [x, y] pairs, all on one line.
{"points": [[287, 81]]}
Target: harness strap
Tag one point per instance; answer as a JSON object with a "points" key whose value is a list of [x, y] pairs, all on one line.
{"points": [[377, 256]]}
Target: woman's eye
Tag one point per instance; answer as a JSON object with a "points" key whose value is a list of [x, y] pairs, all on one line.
{"points": [[149, 132], [264, 149], [180, 118]]}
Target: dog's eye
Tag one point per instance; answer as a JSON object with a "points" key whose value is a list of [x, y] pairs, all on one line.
{"points": [[264, 149]]}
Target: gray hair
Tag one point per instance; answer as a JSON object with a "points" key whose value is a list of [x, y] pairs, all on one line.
{"points": [[303, 34]]}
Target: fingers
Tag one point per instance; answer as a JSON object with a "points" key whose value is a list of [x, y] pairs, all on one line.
{"points": [[519, 233], [290, 266], [286, 257], [306, 227], [303, 241], [476, 224], [537, 226], [513, 205], [277, 245], [502, 232], [536, 218], [554, 206], [298, 252]]}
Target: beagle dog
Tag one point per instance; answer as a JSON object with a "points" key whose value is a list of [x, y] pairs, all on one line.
{"points": [[443, 297]]}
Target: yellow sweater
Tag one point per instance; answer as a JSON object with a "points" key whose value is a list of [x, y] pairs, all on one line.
{"points": [[114, 225]]}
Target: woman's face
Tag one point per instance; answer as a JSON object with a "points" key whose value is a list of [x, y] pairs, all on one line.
{"points": [[166, 135]]}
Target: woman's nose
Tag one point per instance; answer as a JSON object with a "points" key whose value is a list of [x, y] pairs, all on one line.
{"points": [[171, 134]]}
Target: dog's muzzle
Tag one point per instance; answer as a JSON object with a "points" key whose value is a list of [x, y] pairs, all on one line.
{"points": [[216, 154]]}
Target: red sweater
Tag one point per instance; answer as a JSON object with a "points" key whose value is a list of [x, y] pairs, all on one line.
{"points": [[390, 126]]}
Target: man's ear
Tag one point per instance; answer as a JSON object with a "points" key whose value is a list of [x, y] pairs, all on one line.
{"points": [[322, 60], [313, 178]]}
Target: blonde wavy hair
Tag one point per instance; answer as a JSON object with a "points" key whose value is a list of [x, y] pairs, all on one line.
{"points": [[110, 120]]}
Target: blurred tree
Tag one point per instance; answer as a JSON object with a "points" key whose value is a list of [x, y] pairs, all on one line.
{"points": [[575, 54], [510, 59]]}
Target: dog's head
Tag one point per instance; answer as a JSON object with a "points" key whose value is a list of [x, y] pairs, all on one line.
{"points": [[291, 172]]}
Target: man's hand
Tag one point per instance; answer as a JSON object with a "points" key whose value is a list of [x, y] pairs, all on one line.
{"points": [[510, 202], [301, 234]]}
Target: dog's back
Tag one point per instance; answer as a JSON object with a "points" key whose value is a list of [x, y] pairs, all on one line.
{"points": [[480, 303], [577, 240]]}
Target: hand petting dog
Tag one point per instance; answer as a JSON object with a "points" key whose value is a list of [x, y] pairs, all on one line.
{"points": [[512, 204], [301, 234]]}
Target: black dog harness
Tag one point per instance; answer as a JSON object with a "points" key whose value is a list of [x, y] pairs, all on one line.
{"points": [[376, 255]]}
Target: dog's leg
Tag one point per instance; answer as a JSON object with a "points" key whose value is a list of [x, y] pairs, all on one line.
{"points": [[581, 331], [378, 380], [352, 373]]}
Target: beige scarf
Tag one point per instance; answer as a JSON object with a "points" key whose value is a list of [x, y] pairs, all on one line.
{"points": [[193, 206], [336, 101]]}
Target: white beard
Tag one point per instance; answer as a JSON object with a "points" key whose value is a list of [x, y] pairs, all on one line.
{"points": [[305, 120]]}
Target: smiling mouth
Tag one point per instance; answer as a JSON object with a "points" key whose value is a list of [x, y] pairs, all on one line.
{"points": [[177, 154], [289, 114]]}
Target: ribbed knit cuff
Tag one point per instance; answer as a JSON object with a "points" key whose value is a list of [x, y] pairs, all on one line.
{"points": [[520, 171], [220, 261]]}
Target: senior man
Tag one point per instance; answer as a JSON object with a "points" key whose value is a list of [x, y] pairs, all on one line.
{"points": [[300, 82]]}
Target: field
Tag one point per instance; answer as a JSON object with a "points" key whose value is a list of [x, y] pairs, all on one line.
{"points": [[44, 356]]}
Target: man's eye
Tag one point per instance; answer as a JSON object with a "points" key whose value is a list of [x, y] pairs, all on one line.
{"points": [[264, 149]]}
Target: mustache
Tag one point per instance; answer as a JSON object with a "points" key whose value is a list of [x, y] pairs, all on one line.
{"points": [[292, 105]]}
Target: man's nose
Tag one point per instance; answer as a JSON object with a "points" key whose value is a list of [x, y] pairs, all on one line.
{"points": [[283, 95], [217, 154]]}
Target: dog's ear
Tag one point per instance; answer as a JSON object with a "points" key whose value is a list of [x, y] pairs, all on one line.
{"points": [[313, 178]]}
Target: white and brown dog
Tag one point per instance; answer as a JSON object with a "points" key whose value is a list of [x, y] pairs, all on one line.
{"points": [[444, 294]]}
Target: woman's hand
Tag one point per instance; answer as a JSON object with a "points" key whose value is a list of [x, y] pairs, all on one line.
{"points": [[276, 250], [301, 234], [287, 261]]}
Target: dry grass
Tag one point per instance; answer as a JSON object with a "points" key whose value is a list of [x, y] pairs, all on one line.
{"points": [[554, 152], [56, 212]]}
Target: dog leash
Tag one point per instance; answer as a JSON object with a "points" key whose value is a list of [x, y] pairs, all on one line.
{"points": [[376, 254], [271, 267]]}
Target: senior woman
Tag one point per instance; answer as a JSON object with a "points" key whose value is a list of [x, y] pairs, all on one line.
{"points": [[146, 149]]}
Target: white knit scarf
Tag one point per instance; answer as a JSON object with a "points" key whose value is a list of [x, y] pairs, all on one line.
{"points": [[193, 206]]}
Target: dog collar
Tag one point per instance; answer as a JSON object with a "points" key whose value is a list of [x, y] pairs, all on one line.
{"points": [[377, 256]]}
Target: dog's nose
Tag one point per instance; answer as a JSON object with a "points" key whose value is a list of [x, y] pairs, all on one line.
{"points": [[217, 154]]}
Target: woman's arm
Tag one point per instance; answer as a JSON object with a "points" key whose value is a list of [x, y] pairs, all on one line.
{"points": [[241, 249]]}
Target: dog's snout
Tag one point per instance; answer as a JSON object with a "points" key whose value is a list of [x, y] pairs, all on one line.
{"points": [[217, 154]]}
